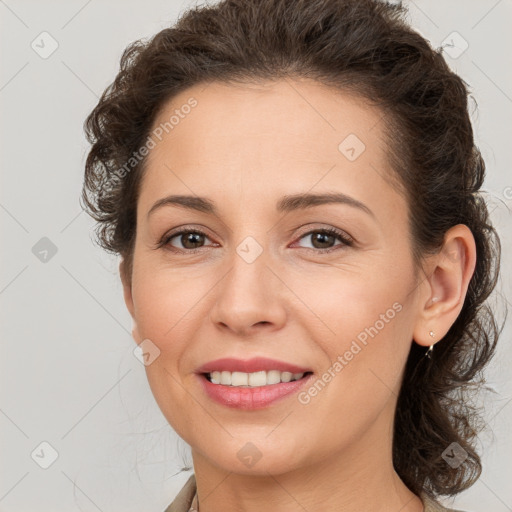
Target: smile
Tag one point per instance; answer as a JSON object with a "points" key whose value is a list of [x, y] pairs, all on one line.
{"points": [[252, 380], [255, 395]]}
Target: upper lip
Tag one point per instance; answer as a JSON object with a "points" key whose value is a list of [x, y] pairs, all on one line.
{"points": [[255, 364]]}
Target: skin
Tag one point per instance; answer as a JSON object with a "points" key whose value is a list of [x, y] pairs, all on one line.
{"points": [[244, 147]]}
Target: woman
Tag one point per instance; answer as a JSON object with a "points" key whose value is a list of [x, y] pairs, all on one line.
{"points": [[293, 187]]}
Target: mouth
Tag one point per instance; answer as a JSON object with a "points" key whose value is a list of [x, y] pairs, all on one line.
{"points": [[254, 383], [252, 391], [258, 379]]}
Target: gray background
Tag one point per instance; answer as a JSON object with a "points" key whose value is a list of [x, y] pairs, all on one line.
{"points": [[68, 374]]}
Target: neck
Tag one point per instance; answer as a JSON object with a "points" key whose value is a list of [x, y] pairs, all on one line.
{"points": [[360, 477]]}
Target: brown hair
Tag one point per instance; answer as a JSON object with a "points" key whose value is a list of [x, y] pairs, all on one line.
{"points": [[364, 47]]}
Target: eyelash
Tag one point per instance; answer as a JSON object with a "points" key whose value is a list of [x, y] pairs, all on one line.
{"points": [[346, 240]]}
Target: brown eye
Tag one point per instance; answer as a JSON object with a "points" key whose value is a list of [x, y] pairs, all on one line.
{"points": [[325, 239], [322, 240], [192, 240], [187, 240]]}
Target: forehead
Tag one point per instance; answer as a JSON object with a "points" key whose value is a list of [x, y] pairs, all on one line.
{"points": [[267, 139]]}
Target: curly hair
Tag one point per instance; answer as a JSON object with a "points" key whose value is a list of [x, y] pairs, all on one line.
{"points": [[364, 47]]}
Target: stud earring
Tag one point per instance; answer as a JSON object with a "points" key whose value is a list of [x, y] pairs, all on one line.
{"points": [[432, 334]]}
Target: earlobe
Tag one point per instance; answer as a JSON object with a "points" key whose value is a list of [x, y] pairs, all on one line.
{"points": [[446, 286]]}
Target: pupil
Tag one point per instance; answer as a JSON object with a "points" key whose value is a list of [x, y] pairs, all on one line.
{"points": [[322, 236], [193, 239]]}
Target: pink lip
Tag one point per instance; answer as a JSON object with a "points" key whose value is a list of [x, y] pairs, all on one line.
{"points": [[251, 398], [255, 364]]}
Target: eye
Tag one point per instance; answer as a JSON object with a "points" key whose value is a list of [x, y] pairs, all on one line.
{"points": [[189, 240], [322, 239], [192, 240]]}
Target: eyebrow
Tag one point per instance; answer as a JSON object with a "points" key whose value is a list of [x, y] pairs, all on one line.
{"points": [[285, 204]]}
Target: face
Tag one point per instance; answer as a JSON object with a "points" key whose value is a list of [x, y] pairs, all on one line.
{"points": [[254, 272]]}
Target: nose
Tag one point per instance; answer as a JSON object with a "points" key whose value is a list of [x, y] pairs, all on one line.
{"points": [[249, 297]]}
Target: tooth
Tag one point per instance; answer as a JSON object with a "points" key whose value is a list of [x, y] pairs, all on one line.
{"points": [[286, 377], [255, 379], [258, 379], [239, 379], [225, 378], [273, 377]]}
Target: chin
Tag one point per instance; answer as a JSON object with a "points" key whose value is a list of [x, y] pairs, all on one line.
{"points": [[257, 457]]}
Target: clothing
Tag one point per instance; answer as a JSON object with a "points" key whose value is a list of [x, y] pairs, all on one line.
{"points": [[186, 500]]}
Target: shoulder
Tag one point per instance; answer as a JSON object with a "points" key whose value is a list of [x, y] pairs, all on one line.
{"points": [[183, 499], [431, 505]]}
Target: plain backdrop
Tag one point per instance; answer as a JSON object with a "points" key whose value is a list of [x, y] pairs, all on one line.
{"points": [[73, 396]]}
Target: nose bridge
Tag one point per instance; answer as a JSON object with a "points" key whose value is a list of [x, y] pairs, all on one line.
{"points": [[249, 293]]}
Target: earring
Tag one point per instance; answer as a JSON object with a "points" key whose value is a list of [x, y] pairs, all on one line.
{"points": [[431, 348]]}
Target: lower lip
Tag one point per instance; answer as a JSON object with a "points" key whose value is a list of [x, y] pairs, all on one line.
{"points": [[251, 398]]}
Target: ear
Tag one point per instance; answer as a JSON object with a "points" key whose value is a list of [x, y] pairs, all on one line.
{"points": [[444, 288], [128, 299]]}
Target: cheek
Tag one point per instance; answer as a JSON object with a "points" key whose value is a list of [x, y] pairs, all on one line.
{"points": [[165, 315], [165, 303], [365, 327], [363, 365], [164, 309]]}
